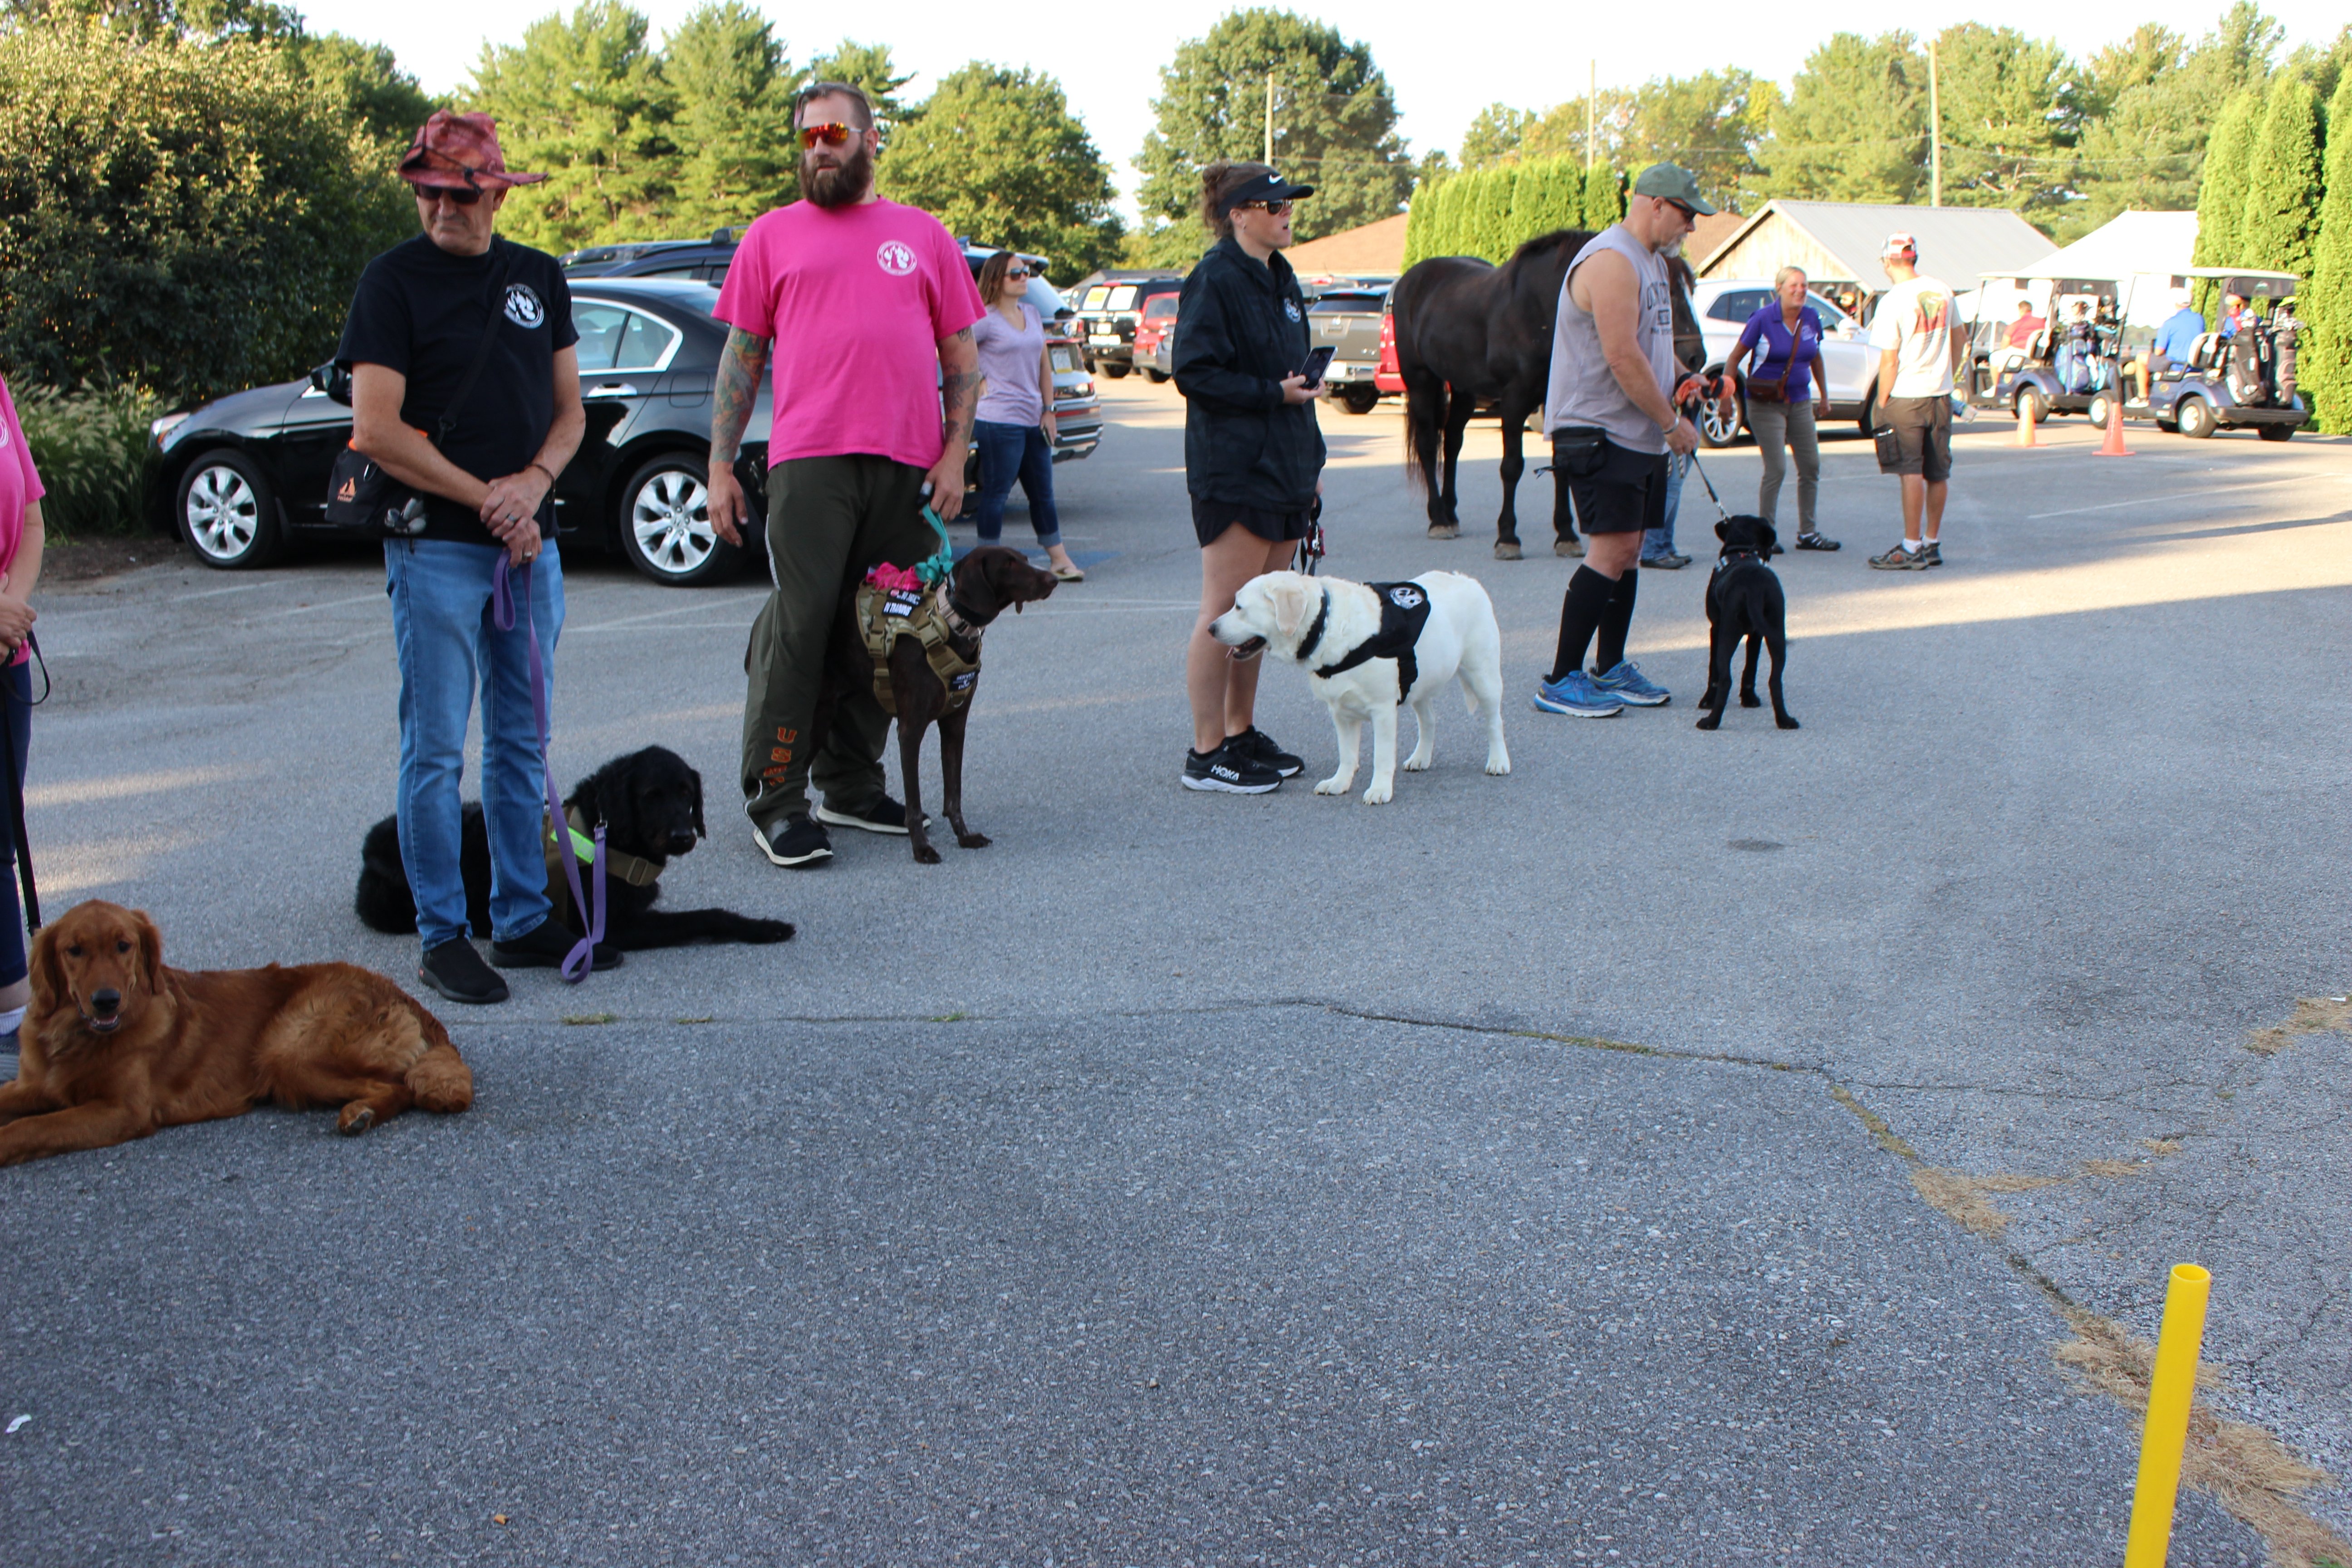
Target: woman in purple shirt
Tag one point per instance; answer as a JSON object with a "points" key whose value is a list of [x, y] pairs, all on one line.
{"points": [[1014, 425], [1786, 391]]}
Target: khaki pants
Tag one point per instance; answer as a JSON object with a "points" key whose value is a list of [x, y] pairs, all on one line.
{"points": [[830, 519], [1790, 425]]}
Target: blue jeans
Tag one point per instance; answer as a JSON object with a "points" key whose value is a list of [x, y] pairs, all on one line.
{"points": [[1660, 541], [441, 627], [1008, 452]]}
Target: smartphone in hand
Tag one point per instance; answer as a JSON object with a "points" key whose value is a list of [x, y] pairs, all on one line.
{"points": [[1318, 360]]}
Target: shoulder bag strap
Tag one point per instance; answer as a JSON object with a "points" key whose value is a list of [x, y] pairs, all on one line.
{"points": [[448, 420]]}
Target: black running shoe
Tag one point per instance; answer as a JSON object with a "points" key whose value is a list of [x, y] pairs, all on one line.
{"points": [[885, 816], [1256, 743], [457, 973], [546, 945], [796, 841], [1815, 542], [1230, 771]]}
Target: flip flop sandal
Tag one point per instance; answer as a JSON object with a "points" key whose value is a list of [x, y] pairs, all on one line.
{"points": [[1068, 574]]}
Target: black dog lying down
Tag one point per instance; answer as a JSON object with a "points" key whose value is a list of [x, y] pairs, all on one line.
{"points": [[1744, 600], [650, 803]]}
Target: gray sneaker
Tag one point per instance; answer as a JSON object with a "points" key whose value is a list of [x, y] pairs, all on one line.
{"points": [[1932, 553], [1899, 558]]}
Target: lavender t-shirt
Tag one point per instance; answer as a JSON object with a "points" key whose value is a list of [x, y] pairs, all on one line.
{"points": [[1010, 357]]}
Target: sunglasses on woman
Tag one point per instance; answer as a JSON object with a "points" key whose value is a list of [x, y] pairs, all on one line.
{"points": [[833, 134], [1271, 209], [1017, 273]]}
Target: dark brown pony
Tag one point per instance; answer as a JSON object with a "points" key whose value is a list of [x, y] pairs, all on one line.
{"points": [[1470, 335]]}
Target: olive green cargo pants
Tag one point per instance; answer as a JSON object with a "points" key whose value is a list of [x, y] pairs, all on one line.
{"points": [[830, 519]]}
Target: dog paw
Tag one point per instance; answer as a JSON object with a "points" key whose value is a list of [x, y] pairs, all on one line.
{"points": [[1336, 785], [926, 855], [1711, 721], [1379, 795], [1750, 699], [355, 1119], [1499, 765], [1417, 763], [770, 930], [1786, 722], [972, 840]]}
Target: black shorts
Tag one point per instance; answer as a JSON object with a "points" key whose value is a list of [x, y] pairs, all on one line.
{"points": [[1211, 518], [1922, 432], [1627, 494]]}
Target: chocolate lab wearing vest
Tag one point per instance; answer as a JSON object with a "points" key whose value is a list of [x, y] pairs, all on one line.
{"points": [[1744, 600], [920, 651], [1372, 648]]}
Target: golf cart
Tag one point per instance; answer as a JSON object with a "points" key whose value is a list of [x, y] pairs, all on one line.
{"points": [[2245, 380], [2066, 367]]}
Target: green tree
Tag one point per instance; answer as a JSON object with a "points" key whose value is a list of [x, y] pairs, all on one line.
{"points": [[384, 100], [194, 21], [1550, 195], [1491, 236], [869, 66], [2283, 181], [996, 154], [732, 89], [2221, 196], [2148, 117], [1559, 130], [216, 208], [1605, 197], [582, 99], [2323, 356], [1855, 125], [1335, 120], [1702, 122], [2011, 116], [1494, 134]]}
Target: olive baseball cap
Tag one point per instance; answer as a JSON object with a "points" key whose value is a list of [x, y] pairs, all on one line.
{"points": [[1672, 182]]}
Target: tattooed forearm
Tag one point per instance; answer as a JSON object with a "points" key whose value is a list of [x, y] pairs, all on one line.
{"points": [[741, 366], [958, 383]]}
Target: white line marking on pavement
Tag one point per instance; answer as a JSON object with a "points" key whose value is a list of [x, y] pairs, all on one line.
{"points": [[730, 604], [216, 593], [2198, 493], [376, 597]]}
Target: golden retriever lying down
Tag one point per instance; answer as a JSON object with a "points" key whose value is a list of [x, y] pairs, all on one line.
{"points": [[115, 1044]]}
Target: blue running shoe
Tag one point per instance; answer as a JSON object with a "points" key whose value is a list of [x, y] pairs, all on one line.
{"points": [[1628, 684], [1575, 695]]}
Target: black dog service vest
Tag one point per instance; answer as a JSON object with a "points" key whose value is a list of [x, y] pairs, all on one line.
{"points": [[1404, 610]]}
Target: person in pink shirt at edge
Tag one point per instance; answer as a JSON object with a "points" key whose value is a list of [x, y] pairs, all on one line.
{"points": [[20, 567], [874, 392]]}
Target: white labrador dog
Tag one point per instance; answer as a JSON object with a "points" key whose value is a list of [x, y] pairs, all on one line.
{"points": [[1369, 648]]}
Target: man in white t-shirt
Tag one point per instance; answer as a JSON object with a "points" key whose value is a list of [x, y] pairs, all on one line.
{"points": [[1918, 345]]}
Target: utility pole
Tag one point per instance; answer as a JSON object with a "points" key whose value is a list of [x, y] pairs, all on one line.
{"points": [[1592, 115], [1935, 135], [1269, 116]]}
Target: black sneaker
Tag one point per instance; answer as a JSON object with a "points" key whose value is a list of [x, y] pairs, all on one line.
{"points": [[546, 945], [1257, 745], [1815, 542], [796, 841], [885, 816], [457, 973], [1225, 769]]}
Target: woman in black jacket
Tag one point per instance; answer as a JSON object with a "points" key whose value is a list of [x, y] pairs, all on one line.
{"points": [[1252, 453]]}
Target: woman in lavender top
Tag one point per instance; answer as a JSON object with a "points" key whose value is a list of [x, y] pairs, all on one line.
{"points": [[1014, 423]]}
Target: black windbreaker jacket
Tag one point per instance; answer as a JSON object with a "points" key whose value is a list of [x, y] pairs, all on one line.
{"points": [[1240, 329]]}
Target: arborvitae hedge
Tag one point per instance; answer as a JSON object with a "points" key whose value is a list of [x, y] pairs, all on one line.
{"points": [[2283, 183], [2323, 355], [2221, 198]]}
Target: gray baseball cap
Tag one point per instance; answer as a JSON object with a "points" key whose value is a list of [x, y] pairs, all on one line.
{"points": [[1672, 182]]}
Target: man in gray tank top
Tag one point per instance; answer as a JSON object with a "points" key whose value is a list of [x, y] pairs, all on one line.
{"points": [[1612, 424]]}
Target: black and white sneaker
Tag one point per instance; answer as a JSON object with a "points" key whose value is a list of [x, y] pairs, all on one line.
{"points": [[1257, 745], [794, 841], [1230, 771], [885, 816]]}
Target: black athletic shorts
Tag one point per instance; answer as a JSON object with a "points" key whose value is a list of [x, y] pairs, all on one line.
{"points": [[1922, 428], [1211, 518], [1627, 494]]}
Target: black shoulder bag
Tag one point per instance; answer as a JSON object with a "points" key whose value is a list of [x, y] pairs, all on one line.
{"points": [[360, 494]]}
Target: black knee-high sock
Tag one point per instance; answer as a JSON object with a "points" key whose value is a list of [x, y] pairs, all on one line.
{"points": [[1615, 621], [1580, 610]]}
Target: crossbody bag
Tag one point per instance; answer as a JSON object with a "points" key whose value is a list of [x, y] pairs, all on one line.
{"points": [[360, 494]]}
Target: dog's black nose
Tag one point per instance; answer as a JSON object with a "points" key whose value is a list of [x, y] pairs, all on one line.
{"points": [[680, 843], [104, 1002]]}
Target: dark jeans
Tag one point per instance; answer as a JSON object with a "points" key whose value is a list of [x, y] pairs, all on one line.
{"points": [[18, 678], [1008, 452]]}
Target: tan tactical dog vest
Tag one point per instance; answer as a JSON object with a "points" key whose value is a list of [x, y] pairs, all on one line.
{"points": [[886, 614]]}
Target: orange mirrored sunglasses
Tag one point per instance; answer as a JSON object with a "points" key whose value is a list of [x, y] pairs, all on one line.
{"points": [[833, 134]]}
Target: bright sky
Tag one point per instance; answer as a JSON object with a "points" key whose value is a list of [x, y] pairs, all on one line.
{"points": [[1109, 56]]}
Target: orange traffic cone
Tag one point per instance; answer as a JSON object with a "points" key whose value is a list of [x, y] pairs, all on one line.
{"points": [[2025, 410], [2113, 446]]}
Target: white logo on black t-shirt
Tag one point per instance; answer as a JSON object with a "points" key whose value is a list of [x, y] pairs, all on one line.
{"points": [[896, 257], [1405, 596], [523, 308], [1290, 309]]}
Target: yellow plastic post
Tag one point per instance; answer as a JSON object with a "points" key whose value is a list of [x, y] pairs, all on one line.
{"points": [[2177, 1346]]}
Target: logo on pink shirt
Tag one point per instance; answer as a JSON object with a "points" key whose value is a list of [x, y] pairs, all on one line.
{"points": [[896, 257]]}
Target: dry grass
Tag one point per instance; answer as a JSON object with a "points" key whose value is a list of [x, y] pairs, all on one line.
{"points": [[2312, 1014], [1961, 1196], [2242, 1467], [2114, 1168], [2162, 1145]]}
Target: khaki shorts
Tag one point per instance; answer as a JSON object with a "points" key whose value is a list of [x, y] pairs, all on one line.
{"points": [[1917, 438]]}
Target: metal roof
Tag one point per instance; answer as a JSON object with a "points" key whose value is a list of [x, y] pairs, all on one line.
{"points": [[1953, 242]]}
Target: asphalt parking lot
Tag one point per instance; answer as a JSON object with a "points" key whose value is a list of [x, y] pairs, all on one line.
{"points": [[1535, 1169]]}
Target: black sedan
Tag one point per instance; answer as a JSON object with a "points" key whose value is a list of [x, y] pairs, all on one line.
{"points": [[245, 475]]}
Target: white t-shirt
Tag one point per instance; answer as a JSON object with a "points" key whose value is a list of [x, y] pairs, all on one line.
{"points": [[1915, 319]]}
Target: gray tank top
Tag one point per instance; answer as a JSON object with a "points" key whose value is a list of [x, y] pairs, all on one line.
{"points": [[1583, 389]]}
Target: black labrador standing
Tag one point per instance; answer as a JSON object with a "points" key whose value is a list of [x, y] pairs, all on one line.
{"points": [[1744, 600], [650, 804]]}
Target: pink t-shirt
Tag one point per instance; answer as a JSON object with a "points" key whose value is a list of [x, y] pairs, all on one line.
{"points": [[20, 485], [856, 299]]}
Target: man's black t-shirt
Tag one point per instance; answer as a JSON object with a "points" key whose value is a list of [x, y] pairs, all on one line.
{"points": [[420, 311]]}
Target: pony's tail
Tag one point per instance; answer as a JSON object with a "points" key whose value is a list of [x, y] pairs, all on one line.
{"points": [[1424, 424]]}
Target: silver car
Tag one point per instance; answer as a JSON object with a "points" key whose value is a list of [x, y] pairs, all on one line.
{"points": [[1724, 304]]}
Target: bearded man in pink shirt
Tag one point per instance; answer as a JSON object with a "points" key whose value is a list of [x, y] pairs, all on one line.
{"points": [[876, 381]]}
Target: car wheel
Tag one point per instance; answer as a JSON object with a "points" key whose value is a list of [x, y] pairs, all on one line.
{"points": [[2196, 418], [1361, 399], [2098, 412], [1115, 370], [1154, 375], [1715, 429], [227, 513], [665, 525], [2275, 432], [1866, 421]]}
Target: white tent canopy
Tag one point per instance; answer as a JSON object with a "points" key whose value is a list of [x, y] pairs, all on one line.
{"points": [[2146, 254]]}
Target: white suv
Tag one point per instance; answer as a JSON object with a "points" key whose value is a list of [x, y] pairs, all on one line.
{"points": [[1724, 306]]}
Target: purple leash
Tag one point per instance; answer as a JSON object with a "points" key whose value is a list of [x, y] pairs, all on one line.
{"points": [[576, 963]]}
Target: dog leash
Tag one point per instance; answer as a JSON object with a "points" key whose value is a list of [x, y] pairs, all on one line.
{"points": [[934, 568], [23, 844], [577, 962], [1718, 500], [1311, 544]]}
